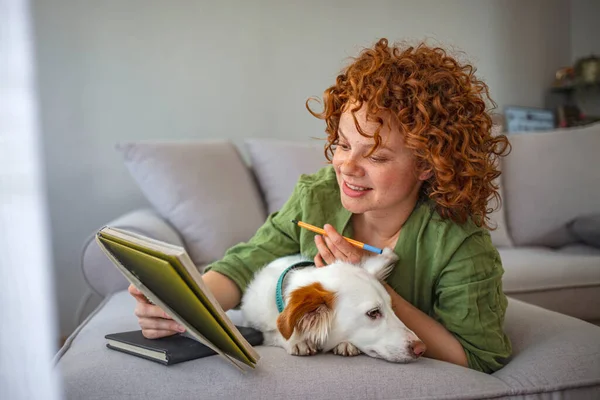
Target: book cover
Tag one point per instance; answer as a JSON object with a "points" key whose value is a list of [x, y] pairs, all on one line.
{"points": [[169, 350], [180, 260], [166, 276]]}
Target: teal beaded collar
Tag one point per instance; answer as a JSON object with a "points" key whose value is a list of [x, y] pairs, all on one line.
{"points": [[279, 289]]}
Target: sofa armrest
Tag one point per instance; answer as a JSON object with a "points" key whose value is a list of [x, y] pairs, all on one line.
{"points": [[99, 272], [552, 352]]}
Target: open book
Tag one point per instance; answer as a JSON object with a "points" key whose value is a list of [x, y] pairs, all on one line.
{"points": [[166, 275]]}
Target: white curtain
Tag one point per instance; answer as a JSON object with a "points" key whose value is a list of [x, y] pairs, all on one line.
{"points": [[28, 325]]}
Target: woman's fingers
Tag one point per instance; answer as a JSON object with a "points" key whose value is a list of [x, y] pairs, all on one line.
{"points": [[318, 260], [323, 250], [139, 296], [340, 247], [156, 333], [155, 323], [333, 246], [337, 254], [160, 324], [150, 311]]}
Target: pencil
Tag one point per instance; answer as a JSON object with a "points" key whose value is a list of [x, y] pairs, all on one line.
{"points": [[320, 231]]}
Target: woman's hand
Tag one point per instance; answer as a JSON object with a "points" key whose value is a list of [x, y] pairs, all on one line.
{"points": [[334, 247], [155, 323]]}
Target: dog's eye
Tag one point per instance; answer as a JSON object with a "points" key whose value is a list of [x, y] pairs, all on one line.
{"points": [[374, 313]]}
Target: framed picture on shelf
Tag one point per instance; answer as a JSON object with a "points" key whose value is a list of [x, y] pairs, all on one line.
{"points": [[528, 119]]}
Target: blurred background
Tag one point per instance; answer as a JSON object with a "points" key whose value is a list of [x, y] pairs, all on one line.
{"points": [[122, 70]]}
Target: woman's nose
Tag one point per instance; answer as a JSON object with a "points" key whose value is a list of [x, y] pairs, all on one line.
{"points": [[349, 167]]}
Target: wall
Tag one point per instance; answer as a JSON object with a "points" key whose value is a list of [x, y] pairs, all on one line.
{"points": [[585, 29], [585, 41], [118, 70]]}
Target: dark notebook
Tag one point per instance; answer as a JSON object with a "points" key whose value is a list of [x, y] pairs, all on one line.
{"points": [[172, 349]]}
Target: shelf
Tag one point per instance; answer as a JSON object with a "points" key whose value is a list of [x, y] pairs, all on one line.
{"points": [[576, 87]]}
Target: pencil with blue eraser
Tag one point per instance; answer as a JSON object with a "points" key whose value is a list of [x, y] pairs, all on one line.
{"points": [[320, 231]]}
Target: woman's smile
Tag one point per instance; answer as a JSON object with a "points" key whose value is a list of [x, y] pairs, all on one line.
{"points": [[351, 190]]}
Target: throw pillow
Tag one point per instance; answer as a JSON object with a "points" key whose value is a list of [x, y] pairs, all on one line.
{"points": [[586, 229], [278, 164], [203, 189]]}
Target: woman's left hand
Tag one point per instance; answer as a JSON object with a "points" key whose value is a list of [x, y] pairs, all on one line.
{"points": [[334, 247]]}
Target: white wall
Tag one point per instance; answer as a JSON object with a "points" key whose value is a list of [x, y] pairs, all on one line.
{"points": [[585, 41], [118, 70], [585, 28]]}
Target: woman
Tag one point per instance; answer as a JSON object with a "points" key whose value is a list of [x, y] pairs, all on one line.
{"points": [[413, 163]]}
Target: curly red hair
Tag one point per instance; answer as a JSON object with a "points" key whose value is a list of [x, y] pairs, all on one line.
{"points": [[440, 107]]}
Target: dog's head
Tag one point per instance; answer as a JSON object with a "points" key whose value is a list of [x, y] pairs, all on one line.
{"points": [[347, 303]]}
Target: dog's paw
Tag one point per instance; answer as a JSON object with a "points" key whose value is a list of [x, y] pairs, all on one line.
{"points": [[304, 348], [346, 349]]}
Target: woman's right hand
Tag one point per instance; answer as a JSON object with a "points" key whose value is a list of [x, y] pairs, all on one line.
{"points": [[155, 323]]}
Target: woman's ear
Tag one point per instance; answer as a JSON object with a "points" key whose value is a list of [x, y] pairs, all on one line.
{"points": [[426, 174]]}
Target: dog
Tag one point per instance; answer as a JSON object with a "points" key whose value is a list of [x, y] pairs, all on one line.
{"points": [[342, 308]]}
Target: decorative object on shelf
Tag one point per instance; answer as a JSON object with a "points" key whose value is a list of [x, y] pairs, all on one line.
{"points": [[584, 74], [567, 116], [570, 115], [587, 71], [528, 119], [564, 78]]}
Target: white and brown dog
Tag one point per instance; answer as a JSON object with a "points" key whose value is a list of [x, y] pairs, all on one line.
{"points": [[342, 307]]}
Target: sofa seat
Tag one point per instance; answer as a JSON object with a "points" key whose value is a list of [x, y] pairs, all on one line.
{"points": [[566, 280], [540, 337]]}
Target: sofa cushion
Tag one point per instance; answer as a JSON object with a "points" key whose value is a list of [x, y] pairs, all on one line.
{"points": [[500, 236], [565, 281], [278, 164], [579, 249], [204, 189], [553, 353], [587, 229], [550, 179]]}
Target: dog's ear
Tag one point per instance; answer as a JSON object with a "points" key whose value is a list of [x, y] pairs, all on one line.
{"points": [[381, 265], [310, 311]]}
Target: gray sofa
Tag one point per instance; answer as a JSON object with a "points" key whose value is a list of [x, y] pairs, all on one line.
{"points": [[208, 196]]}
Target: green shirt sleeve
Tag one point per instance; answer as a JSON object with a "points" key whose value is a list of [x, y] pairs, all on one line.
{"points": [[277, 237], [470, 303]]}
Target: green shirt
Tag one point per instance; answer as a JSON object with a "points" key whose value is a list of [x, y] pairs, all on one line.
{"points": [[449, 271]]}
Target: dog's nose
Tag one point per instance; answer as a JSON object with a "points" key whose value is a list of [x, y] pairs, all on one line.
{"points": [[418, 348]]}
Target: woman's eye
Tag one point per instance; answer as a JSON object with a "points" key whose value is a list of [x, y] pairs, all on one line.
{"points": [[374, 313], [377, 159], [343, 146]]}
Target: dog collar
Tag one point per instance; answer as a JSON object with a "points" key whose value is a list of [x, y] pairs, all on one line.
{"points": [[279, 288]]}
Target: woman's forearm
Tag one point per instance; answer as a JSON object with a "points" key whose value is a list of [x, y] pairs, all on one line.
{"points": [[224, 289], [440, 343]]}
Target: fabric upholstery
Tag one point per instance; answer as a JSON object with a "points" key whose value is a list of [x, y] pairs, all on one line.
{"points": [[587, 229], [204, 189], [549, 179], [278, 164], [540, 338], [552, 354], [563, 281]]}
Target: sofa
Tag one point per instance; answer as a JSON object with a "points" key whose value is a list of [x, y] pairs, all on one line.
{"points": [[210, 195]]}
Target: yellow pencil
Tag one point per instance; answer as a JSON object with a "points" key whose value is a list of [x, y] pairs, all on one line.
{"points": [[352, 241]]}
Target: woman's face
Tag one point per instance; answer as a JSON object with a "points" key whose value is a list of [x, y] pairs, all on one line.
{"points": [[387, 181]]}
